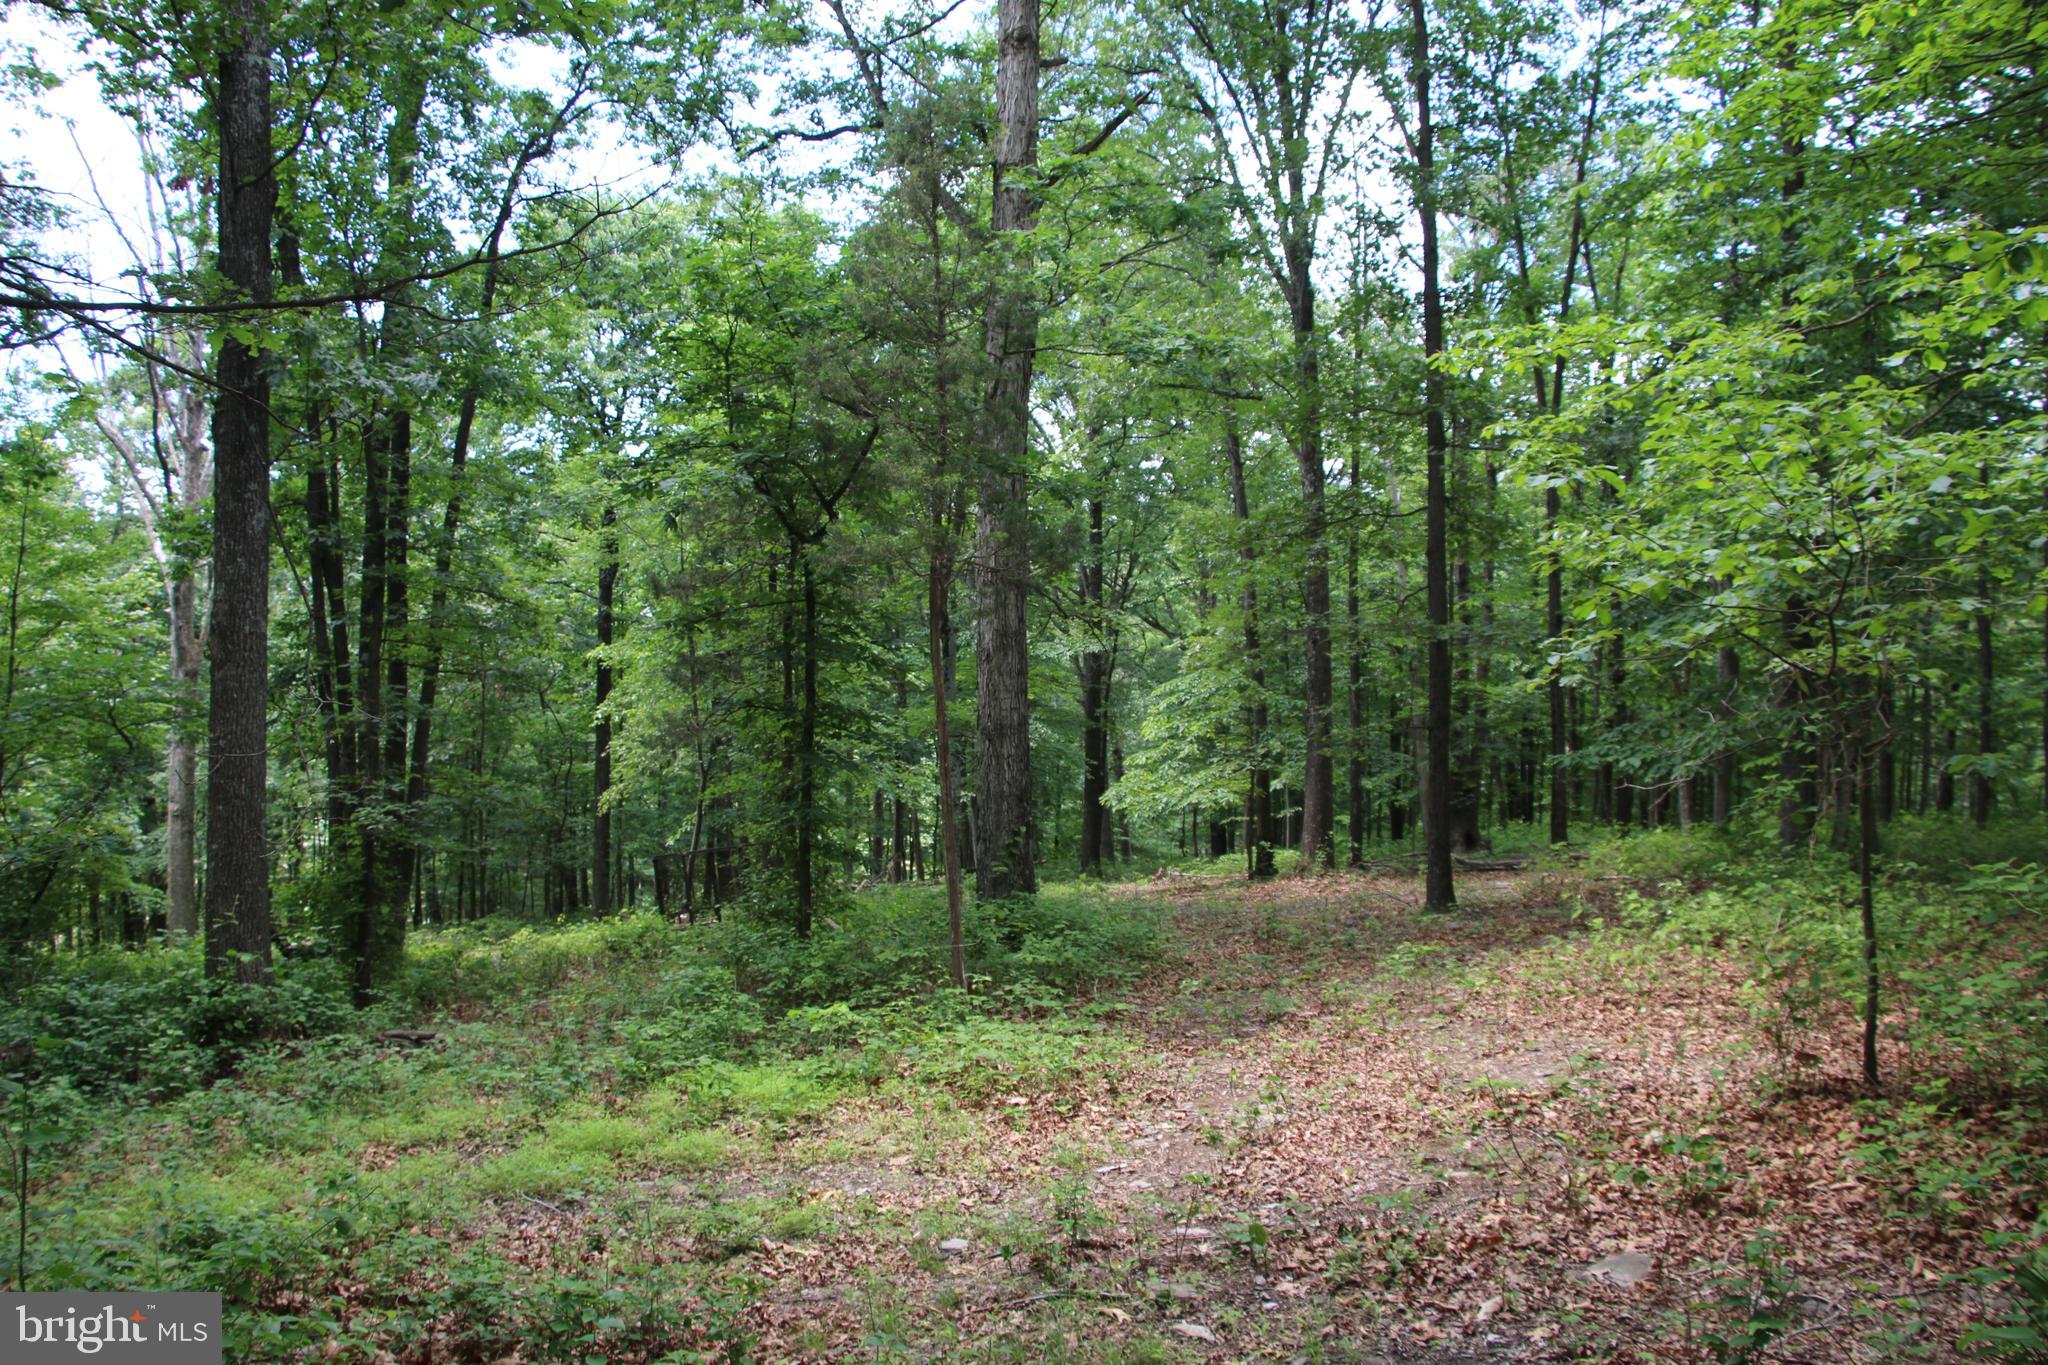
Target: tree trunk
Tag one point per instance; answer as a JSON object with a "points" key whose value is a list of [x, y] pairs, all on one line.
{"points": [[1866, 880], [898, 832], [1258, 814], [1094, 689], [878, 841], [602, 891], [938, 591], [237, 908], [1797, 760], [807, 757], [1617, 682], [1123, 822], [1355, 802], [1438, 893], [1887, 765], [1945, 777], [331, 650], [1318, 767], [181, 767], [377, 911], [1006, 852]]}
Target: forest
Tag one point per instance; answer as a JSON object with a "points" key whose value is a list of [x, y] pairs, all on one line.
{"points": [[1111, 680]]}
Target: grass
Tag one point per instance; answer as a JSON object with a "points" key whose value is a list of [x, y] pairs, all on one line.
{"points": [[571, 1061]]}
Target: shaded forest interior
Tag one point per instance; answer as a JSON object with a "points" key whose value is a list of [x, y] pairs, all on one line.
{"points": [[828, 550]]}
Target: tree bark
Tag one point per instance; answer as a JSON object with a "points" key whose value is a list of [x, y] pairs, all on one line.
{"points": [[1006, 843], [1439, 892], [1094, 698], [1797, 760], [1258, 813], [377, 912], [1887, 764], [1318, 768], [237, 908], [1866, 880], [938, 591], [1354, 734], [601, 890], [181, 766], [807, 757], [1560, 777]]}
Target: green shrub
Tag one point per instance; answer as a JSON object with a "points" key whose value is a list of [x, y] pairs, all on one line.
{"points": [[693, 1013], [501, 959], [1952, 846], [885, 945], [149, 1024], [1669, 853], [1963, 967]]}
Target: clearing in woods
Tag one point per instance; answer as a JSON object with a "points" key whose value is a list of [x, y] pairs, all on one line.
{"points": [[1326, 1126], [1317, 1124]]}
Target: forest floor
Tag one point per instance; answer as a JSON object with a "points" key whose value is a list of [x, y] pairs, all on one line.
{"points": [[1317, 1124], [1327, 1126]]}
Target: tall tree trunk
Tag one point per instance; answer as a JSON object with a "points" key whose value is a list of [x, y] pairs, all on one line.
{"points": [[1354, 717], [395, 877], [1945, 775], [938, 592], [181, 766], [601, 889], [237, 908], [377, 911], [807, 757], [898, 833], [331, 650], [1875, 732], [1438, 892], [1887, 765], [1258, 813], [1122, 821], [368, 945], [1318, 766], [1553, 690], [1094, 699], [1006, 852], [878, 840]]}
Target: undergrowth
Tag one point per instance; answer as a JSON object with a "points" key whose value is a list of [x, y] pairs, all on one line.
{"points": [[266, 1142]]}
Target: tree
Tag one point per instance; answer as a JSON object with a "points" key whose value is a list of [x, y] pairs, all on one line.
{"points": [[1006, 855], [237, 910], [166, 458]]}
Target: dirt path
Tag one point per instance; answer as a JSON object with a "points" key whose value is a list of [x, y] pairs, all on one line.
{"points": [[1349, 1131]]}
